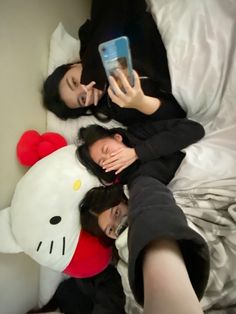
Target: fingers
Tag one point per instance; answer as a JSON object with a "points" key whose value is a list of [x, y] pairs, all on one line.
{"points": [[116, 166], [95, 97], [115, 87], [137, 83], [120, 169], [113, 97], [88, 98], [90, 85]]}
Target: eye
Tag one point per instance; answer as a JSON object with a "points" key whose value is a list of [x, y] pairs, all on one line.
{"points": [[116, 211], [75, 84], [105, 149], [110, 231], [55, 220], [100, 163]]}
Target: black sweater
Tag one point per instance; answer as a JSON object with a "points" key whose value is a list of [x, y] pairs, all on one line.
{"points": [[157, 145], [153, 214], [148, 53]]}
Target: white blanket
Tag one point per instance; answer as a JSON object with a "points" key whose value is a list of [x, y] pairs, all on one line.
{"points": [[200, 38], [211, 212]]}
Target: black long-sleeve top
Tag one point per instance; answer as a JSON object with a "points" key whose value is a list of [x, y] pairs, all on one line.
{"points": [[110, 19], [158, 146], [153, 215]]}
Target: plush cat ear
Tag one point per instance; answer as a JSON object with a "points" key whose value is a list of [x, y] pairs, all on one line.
{"points": [[8, 243]]}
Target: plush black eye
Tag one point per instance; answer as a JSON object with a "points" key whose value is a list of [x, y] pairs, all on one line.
{"points": [[55, 220]]}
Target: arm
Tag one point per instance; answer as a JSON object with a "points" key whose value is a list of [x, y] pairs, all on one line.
{"points": [[153, 217], [158, 139], [132, 97], [147, 99], [164, 272], [165, 137]]}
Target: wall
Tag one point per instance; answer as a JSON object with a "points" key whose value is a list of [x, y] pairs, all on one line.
{"points": [[25, 29]]}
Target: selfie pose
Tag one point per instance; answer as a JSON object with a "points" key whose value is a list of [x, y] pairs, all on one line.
{"points": [[164, 251], [82, 88]]}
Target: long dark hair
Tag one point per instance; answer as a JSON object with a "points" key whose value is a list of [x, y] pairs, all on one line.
{"points": [[52, 100], [88, 136], [96, 201]]}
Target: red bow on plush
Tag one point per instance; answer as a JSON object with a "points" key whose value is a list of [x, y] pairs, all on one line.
{"points": [[32, 146]]}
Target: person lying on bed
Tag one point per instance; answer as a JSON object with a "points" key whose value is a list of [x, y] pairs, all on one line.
{"points": [[150, 148], [78, 89], [168, 264], [100, 294]]}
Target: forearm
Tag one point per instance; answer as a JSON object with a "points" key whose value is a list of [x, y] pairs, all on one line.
{"points": [[167, 287], [148, 105], [167, 137]]}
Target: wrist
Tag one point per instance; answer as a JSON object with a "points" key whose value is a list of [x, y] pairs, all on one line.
{"points": [[149, 105]]}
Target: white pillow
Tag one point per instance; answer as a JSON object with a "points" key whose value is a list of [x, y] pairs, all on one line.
{"points": [[63, 48]]}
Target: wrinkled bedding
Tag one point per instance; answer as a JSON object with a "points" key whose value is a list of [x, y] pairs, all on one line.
{"points": [[210, 211], [200, 38]]}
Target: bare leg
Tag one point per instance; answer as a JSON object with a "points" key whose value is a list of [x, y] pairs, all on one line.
{"points": [[167, 287]]}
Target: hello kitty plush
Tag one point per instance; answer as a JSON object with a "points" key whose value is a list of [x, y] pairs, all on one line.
{"points": [[43, 219]]}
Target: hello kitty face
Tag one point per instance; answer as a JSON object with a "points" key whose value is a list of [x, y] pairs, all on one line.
{"points": [[44, 213]]}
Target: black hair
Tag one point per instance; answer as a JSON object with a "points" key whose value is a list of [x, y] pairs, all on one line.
{"points": [[96, 201], [52, 100], [89, 136]]}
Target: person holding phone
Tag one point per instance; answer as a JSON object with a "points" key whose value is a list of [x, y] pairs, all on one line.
{"points": [[163, 251], [79, 89]]}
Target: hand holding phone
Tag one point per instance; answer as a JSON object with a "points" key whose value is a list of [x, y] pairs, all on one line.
{"points": [[125, 88], [115, 54]]}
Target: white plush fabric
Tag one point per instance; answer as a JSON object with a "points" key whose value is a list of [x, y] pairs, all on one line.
{"points": [[43, 217]]}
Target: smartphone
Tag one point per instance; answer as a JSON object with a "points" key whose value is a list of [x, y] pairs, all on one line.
{"points": [[115, 54]]}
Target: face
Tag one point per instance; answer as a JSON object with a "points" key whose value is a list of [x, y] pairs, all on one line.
{"points": [[113, 220], [103, 148], [75, 94]]}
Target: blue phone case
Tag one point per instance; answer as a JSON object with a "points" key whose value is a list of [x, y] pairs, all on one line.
{"points": [[115, 54]]}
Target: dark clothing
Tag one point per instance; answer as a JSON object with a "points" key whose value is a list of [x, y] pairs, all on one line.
{"points": [[153, 214], [111, 19], [169, 109], [148, 53], [101, 294], [157, 145]]}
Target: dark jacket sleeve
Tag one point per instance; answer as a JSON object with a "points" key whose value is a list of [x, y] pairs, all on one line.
{"points": [[108, 20], [162, 138], [153, 214]]}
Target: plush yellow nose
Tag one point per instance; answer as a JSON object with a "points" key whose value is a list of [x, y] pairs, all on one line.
{"points": [[76, 185]]}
